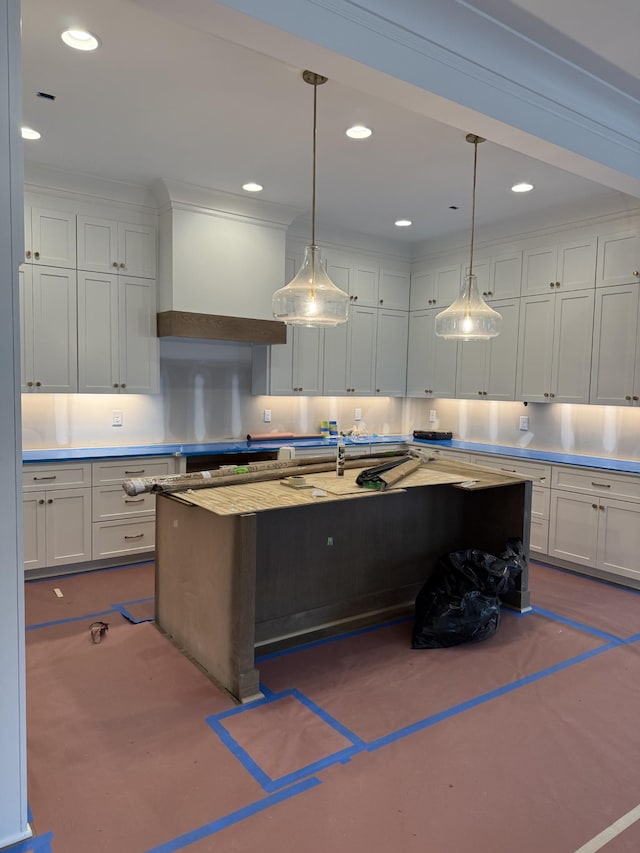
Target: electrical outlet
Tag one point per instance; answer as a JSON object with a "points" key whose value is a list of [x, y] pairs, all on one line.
{"points": [[116, 417], [358, 415], [524, 422], [433, 416], [266, 416]]}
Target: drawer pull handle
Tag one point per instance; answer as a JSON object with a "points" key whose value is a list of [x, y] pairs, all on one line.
{"points": [[510, 470], [601, 485], [139, 536], [50, 477], [136, 501], [141, 471]]}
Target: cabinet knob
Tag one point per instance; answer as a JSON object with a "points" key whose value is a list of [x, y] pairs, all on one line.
{"points": [[484, 293], [636, 273], [552, 395], [557, 284], [351, 298], [115, 264], [479, 392], [123, 266], [484, 393], [546, 394], [627, 396], [635, 396], [377, 390], [381, 301], [41, 501], [594, 506], [552, 284], [355, 298], [38, 384], [601, 507], [29, 384], [36, 254], [27, 254], [124, 385], [50, 501], [115, 384], [490, 292]]}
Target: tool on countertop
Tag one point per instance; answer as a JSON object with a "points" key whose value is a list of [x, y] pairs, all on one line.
{"points": [[432, 435]]}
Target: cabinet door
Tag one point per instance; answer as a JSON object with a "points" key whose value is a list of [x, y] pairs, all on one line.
{"points": [[68, 526], [394, 290], [577, 264], [614, 346], [362, 350], [573, 527], [336, 354], [340, 271], [55, 330], [535, 350], [97, 244], [442, 362], [365, 284], [137, 250], [501, 357], [618, 259], [25, 279], [307, 360], [33, 520], [137, 336], [505, 277], [447, 285], [572, 344], [471, 369], [391, 353], [482, 272], [53, 237], [539, 270], [619, 537], [418, 353], [98, 345], [422, 290]]}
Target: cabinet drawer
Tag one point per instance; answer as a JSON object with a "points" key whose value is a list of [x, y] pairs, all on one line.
{"points": [[62, 476], [540, 500], [105, 473], [458, 455], [112, 538], [110, 502], [595, 482], [536, 471]]}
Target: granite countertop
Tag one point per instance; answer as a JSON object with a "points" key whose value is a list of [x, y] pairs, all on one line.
{"points": [[89, 454]]}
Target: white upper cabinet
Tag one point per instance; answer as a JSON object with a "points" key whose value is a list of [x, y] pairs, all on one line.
{"points": [[505, 276], [554, 353], [365, 284], [567, 266], [394, 290], [436, 287], [618, 258], [50, 237], [615, 371], [109, 246], [486, 370], [431, 361], [48, 322], [350, 354], [391, 352], [117, 342]]}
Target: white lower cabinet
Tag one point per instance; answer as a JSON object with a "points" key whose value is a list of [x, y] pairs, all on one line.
{"points": [[56, 514], [79, 512]]}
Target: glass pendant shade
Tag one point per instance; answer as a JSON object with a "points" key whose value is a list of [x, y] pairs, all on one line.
{"points": [[469, 318], [311, 298]]}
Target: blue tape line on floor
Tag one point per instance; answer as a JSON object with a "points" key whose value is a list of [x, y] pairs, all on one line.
{"points": [[602, 635], [69, 619], [267, 782], [333, 639], [122, 609], [235, 817], [486, 697]]}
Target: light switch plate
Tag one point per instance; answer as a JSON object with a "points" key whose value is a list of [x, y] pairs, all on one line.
{"points": [[266, 416], [524, 422], [116, 417], [358, 415], [433, 416]]}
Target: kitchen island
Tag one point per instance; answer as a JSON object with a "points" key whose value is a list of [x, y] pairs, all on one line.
{"points": [[243, 570]]}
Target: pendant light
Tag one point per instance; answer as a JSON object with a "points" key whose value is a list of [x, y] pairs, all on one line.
{"points": [[311, 298], [469, 318]]}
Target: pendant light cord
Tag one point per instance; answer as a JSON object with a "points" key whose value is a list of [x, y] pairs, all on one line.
{"points": [[473, 202], [313, 182]]}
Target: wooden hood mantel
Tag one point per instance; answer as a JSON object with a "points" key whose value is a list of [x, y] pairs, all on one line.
{"points": [[217, 327]]}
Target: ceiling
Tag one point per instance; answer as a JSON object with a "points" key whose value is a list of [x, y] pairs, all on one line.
{"points": [[164, 98]]}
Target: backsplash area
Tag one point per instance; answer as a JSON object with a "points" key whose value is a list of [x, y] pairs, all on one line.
{"points": [[590, 430], [206, 396]]}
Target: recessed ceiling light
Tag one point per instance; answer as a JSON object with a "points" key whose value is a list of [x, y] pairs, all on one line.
{"points": [[359, 131], [30, 133], [80, 39], [403, 223], [524, 187], [252, 187]]}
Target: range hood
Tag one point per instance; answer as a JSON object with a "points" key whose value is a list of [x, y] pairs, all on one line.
{"points": [[222, 256]]}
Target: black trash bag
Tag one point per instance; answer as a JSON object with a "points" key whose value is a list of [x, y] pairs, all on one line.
{"points": [[459, 603]]}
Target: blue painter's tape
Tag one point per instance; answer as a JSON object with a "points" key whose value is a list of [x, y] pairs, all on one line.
{"points": [[265, 690], [29, 814], [340, 757], [37, 844], [235, 817], [485, 697], [334, 639], [70, 619], [603, 635], [122, 608]]}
